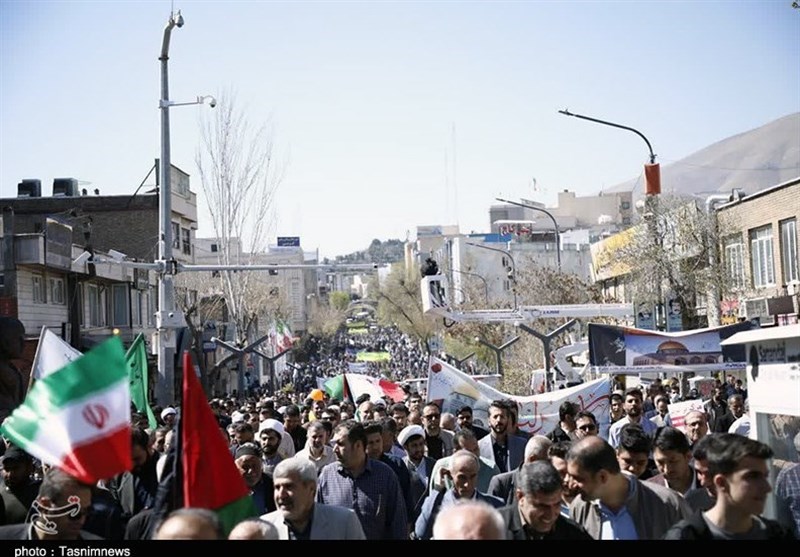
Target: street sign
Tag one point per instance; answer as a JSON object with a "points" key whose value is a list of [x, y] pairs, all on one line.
{"points": [[209, 346], [289, 241]]}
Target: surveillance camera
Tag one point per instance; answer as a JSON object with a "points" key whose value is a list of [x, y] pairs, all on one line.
{"points": [[179, 19], [212, 103], [374, 265]]}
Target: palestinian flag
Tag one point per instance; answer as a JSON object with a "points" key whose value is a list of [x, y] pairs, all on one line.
{"points": [[210, 477], [78, 417]]}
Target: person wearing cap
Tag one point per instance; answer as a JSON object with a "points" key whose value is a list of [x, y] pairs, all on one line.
{"points": [[248, 462], [412, 439], [18, 489], [168, 416], [270, 436]]}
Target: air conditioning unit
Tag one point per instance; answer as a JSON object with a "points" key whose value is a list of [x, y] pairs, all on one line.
{"points": [[29, 187], [793, 288], [65, 187]]}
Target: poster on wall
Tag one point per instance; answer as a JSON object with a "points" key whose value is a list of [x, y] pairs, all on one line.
{"points": [[626, 350]]}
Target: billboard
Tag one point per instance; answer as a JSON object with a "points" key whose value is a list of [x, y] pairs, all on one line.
{"points": [[288, 241], [626, 350]]}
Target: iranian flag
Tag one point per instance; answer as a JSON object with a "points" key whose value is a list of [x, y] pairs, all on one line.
{"points": [[210, 477], [78, 418], [281, 335], [376, 387]]}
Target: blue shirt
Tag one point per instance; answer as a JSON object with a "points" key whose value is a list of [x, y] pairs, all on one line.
{"points": [[374, 495], [619, 525]]}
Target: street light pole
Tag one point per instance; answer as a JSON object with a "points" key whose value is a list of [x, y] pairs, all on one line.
{"points": [[165, 391], [485, 284], [652, 177], [552, 218], [498, 351], [513, 266]]}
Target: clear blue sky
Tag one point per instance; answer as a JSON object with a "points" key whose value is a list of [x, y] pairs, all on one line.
{"points": [[392, 114]]}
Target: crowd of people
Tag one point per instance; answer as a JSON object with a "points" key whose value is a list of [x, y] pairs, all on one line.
{"points": [[318, 468]]}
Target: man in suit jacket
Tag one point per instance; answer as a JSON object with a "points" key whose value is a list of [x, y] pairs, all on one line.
{"points": [[298, 516], [505, 450], [504, 485], [438, 441]]}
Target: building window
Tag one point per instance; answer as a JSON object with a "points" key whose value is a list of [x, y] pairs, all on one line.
{"points": [[626, 205], [761, 258], [136, 309], [119, 305], [176, 236], [186, 241], [213, 248], [734, 261], [38, 290], [788, 230], [57, 295], [95, 299]]}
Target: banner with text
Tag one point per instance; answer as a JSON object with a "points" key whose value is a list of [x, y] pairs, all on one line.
{"points": [[626, 350], [538, 414]]}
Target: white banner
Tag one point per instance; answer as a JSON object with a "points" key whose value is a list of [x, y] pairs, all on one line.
{"points": [[538, 414]]}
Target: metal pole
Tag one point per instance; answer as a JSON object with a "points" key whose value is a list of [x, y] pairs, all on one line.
{"points": [[485, 284], [546, 340], [498, 351], [165, 391], [552, 218]]}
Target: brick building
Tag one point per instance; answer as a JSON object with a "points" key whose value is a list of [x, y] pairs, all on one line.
{"points": [[759, 248]]}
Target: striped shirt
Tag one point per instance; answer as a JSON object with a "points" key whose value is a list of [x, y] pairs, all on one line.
{"points": [[374, 495]]}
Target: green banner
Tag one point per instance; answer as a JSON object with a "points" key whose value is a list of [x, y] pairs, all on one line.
{"points": [[373, 357]]}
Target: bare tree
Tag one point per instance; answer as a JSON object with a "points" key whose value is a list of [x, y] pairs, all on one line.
{"points": [[239, 176], [668, 251]]}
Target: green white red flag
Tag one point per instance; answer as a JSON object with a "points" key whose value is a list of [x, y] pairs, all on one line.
{"points": [[78, 418]]}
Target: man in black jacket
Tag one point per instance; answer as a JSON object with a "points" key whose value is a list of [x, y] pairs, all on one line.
{"points": [[738, 468]]}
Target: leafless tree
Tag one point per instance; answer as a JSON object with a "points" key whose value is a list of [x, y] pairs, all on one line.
{"points": [[239, 176]]}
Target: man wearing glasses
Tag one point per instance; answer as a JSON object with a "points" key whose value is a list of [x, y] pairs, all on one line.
{"points": [[438, 442], [585, 424]]}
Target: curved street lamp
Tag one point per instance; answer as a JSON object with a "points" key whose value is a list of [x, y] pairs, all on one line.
{"points": [[513, 275], [485, 284], [552, 218]]}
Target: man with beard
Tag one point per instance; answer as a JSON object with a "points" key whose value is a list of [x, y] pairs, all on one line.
{"points": [[615, 505], [317, 449], [248, 462], [271, 435], [439, 442], [136, 490], [535, 513], [374, 430], [672, 456], [292, 426], [505, 450], [366, 485], [420, 467], [298, 516], [464, 419], [18, 489], [633, 415]]}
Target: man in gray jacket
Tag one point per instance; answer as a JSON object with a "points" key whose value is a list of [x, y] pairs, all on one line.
{"points": [[615, 505], [298, 516]]}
